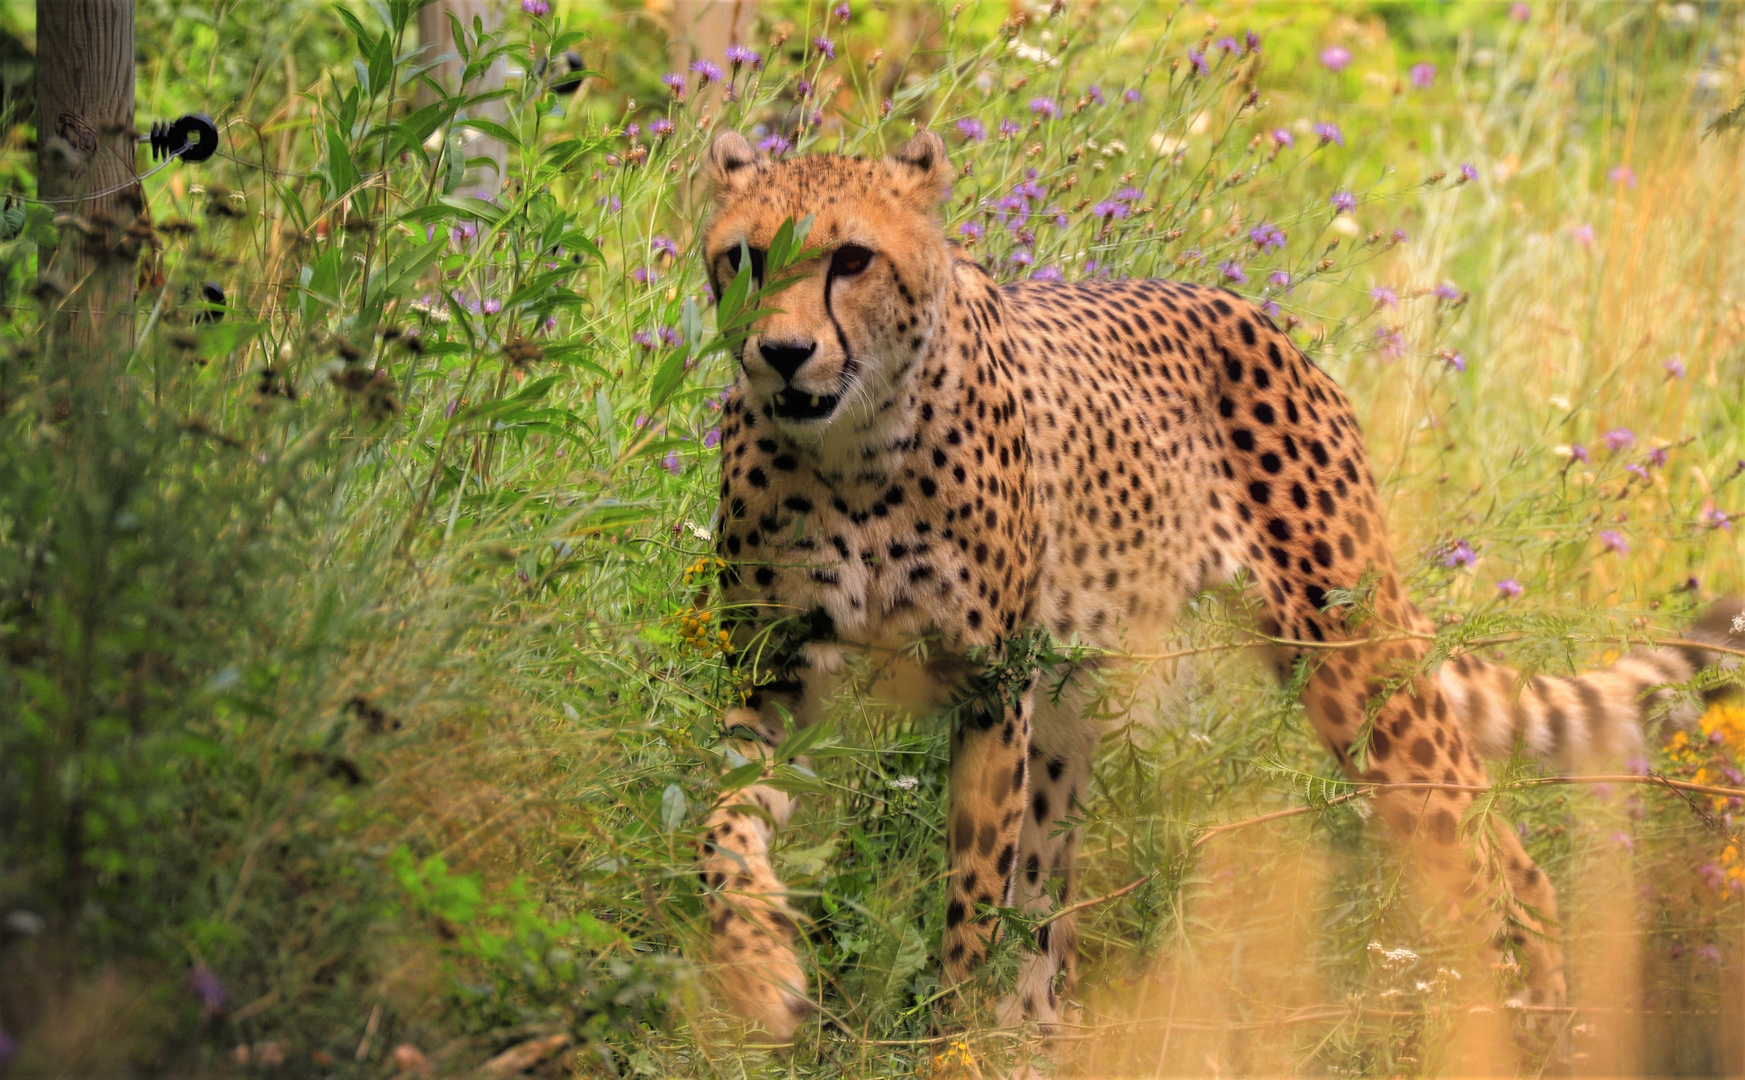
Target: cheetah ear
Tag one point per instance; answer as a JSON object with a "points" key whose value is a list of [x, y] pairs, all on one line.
{"points": [[733, 165], [922, 170]]}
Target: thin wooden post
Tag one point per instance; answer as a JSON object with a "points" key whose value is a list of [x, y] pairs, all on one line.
{"points": [[86, 155], [436, 38]]}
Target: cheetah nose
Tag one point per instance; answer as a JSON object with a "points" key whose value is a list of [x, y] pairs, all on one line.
{"points": [[786, 358]]}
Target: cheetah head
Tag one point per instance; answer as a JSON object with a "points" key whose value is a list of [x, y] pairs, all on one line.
{"points": [[832, 356]]}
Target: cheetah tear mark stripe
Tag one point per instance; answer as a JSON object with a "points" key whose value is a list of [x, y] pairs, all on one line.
{"points": [[1598, 716], [850, 365]]}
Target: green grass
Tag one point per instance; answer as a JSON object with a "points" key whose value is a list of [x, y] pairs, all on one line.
{"points": [[365, 703]]}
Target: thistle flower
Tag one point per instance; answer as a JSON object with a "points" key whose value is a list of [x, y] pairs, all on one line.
{"points": [[972, 130], [712, 439], [774, 145], [1251, 40], [1009, 128], [1468, 173], [1674, 367], [825, 46], [1509, 588], [1044, 107], [971, 229], [841, 12], [1583, 235], [1198, 60], [490, 305], [1344, 202], [1622, 174], [1232, 271], [1330, 133], [539, 9], [1336, 58], [1657, 457], [1129, 194], [1459, 553], [1384, 297], [1021, 258], [739, 55], [1399, 236], [1578, 452], [1046, 273], [1280, 279], [675, 81], [664, 245], [1229, 45], [671, 462], [642, 338], [1715, 518], [1267, 236], [1283, 138], [708, 71], [1520, 12], [1615, 541], [1455, 360], [1619, 439], [1390, 342], [1109, 208], [1095, 93], [1423, 76], [1447, 291], [1131, 97], [661, 128]]}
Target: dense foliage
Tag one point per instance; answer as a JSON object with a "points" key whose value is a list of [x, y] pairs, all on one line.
{"points": [[358, 693]]}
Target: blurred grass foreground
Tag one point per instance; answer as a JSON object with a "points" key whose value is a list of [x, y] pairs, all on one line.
{"points": [[357, 712]]}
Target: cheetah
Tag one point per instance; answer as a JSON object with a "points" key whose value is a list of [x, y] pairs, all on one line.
{"points": [[911, 450]]}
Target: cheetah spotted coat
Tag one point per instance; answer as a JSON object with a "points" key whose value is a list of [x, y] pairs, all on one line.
{"points": [[914, 450]]}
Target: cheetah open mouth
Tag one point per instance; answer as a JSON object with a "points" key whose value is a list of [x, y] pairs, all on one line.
{"points": [[791, 404]]}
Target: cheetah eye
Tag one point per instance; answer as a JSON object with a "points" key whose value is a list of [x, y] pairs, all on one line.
{"points": [[849, 260], [736, 255]]}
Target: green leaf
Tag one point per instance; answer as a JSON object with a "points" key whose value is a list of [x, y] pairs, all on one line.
{"points": [[407, 267], [493, 129], [341, 173], [382, 64], [672, 807]]}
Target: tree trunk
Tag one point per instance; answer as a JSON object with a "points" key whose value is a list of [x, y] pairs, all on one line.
{"points": [[86, 153], [436, 37]]}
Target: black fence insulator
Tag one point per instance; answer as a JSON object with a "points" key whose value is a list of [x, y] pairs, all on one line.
{"points": [[173, 138]]}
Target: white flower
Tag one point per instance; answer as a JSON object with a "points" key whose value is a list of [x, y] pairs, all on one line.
{"points": [[1739, 624], [905, 783]]}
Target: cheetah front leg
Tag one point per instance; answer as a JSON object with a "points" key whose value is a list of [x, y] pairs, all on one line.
{"points": [[988, 794]]}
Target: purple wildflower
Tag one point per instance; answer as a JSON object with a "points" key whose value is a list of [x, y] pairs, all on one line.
{"points": [[1336, 58], [1046, 273], [712, 439], [1280, 279], [642, 338], [1709, 954], [971, 229], [1109, 208], [1520, 12], [775, 145], [1578, 452], [463, 232], [665, 245], [1389, 340], [206, 986], [1009, 128], [675, 81], [1615, 541], [1713, 876], [642, 275], [1232, 271], [1423, 76], [739, 55], [1716, 518], [1129, 194], [1021, 258], [1447, 291], [1622, 174], [972, 130], [661, 128], [1583, 235], [1460, 553], [670, 337], [1399, 236], [539, 9], [1267, 236], [710, 72], [841, 12], [1619, 439], [1229, 45], [671, 462], [1509, 588], [1095, 93], [1468, 173], [1674, 367], [1330, 133], [1270, 307], [1455, 360], [825, 46], [1657, 457], [1284, 138], [491, 305], [1636, 470], [1621, 838], [1131, 97], [632, 131], [1198, 60], [1044, 107], [803, 88], [1344, 202], [1251, 40], [1384, 297]]}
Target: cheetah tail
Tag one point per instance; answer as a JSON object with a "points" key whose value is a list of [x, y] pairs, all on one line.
{"points": [[1597, 716]]}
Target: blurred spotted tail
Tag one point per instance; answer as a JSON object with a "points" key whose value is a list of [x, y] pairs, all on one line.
{"points": [[1597, 716]]}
